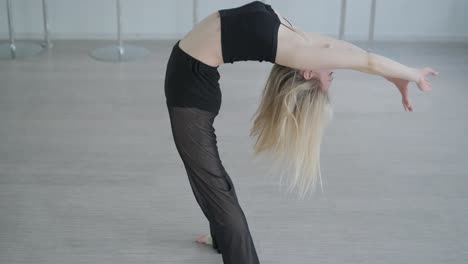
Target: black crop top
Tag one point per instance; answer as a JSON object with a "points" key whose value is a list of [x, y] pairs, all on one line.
{"points": [[249, 32]]}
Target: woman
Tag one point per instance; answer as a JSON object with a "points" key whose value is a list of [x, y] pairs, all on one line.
{"points": [[292, 114]]}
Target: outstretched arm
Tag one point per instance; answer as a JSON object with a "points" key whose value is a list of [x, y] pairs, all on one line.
{"points": [[320, 41], [330, 42], [303, 55], [315, 51], [309, 57]]}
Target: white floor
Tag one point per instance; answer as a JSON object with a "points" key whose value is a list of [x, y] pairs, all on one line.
{"points": [[89, 172]]}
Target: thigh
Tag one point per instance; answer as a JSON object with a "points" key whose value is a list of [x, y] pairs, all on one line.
{"points": [[196, 143]]}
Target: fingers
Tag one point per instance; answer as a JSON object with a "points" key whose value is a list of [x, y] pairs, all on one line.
{"points": [[425, 85], [407, 104], [428, 85], [431, 71], [408, 107]]}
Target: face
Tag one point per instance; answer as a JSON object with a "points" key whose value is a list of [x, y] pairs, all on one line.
{"points": [[325, 75]]}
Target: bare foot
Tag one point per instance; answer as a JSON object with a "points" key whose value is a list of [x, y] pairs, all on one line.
{"points": [[205, 239]]}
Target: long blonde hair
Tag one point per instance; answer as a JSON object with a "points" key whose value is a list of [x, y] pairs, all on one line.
{"points": [[289, 124]]}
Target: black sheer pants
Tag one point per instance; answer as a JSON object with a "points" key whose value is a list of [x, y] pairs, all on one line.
{"points": [[196, 143]]}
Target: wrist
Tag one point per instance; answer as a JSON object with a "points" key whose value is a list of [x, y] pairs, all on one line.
{"points": [[414, 75]]}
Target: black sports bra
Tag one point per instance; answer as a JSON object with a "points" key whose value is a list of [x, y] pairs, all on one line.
{"points": [[249, 32]]}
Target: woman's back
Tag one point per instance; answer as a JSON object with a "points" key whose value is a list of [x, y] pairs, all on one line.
{"points": [[203, 42]]}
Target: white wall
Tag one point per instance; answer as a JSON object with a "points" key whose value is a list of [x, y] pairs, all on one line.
{"points": [[403, 20]]}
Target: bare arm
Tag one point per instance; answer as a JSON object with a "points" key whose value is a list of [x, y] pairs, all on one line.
{"points": [[308, 56], [318, 40], [315, 51], [329, 42], [400, 83], [326, 41]]}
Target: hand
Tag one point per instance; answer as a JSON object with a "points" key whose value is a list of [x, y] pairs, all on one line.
{"points": [[402, 86], [422, 82]]}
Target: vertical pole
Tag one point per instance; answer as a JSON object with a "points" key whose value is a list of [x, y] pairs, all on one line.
{"points": [[119, 29], [342, 19], [195, 12], [11, 30], [47, 42], [121, 51], [372, 25]]}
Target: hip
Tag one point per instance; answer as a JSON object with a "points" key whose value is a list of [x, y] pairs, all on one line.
{"points": [[191, 83]]}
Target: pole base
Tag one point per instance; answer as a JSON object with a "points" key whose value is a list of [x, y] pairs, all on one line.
{"points": [[22, 49], [115, 53]]}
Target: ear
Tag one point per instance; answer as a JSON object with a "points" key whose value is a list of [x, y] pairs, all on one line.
{"points": [[308, 74]]}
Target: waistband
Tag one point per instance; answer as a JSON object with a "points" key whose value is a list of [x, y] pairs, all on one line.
{"points": [[187, 56]]}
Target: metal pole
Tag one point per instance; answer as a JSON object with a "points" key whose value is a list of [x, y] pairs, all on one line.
{"points": [[47, 43], [119, 28], [342, 19], [16, 49], [194, 12], [372, 25], [11, 30], [119, 52]]}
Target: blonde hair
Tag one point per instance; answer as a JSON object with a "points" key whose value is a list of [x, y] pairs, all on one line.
{"points": [[289, 124]]}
